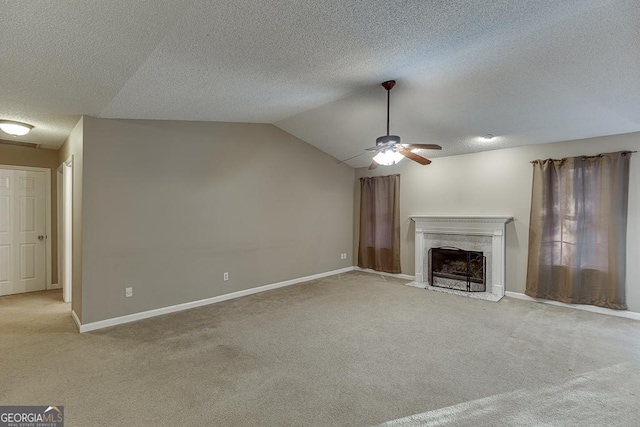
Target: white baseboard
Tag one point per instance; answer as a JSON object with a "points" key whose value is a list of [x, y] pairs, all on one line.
{"points": [[592, 308], [74, 316], [199, 303], [55, 286], [399, 276]]}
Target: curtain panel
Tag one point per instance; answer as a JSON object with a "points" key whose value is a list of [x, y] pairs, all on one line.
{"points": [[379, 247], [578, 230]]}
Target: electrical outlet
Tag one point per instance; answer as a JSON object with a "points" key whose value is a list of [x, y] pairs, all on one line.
{"points": [[343, 256], [225, 277], [128, 292]]}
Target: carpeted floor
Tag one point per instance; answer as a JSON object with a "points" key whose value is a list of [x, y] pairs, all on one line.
{"points": [[354, 349]]}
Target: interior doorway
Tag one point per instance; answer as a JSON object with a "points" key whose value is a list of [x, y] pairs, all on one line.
{"points": [[25, 223], [65, 228]]}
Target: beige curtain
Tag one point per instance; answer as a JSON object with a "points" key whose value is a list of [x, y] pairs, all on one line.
{"points": [[578, 229], [380, 223]]}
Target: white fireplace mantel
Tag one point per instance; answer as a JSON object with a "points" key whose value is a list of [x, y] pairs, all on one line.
{"points": [[493, 226]]}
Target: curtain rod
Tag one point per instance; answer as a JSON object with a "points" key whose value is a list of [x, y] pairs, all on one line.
{"points": [[624, 153]]}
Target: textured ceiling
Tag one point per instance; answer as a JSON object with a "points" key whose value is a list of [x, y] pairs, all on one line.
{"points": [[527, 71]]}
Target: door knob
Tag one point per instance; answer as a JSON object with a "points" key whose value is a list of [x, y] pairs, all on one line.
{"points": [[41, 237]]}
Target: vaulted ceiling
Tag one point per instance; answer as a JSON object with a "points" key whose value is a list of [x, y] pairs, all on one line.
{"points": [[528, 71]]}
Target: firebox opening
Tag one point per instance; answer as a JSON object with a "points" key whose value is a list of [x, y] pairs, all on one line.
{"points": [[455, 268]]}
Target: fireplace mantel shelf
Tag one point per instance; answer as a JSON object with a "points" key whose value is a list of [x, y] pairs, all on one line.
{"points": [[451, 218]]}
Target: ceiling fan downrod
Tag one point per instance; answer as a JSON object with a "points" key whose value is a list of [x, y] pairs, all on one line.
{"points": [[388, 139], [388, 85]]}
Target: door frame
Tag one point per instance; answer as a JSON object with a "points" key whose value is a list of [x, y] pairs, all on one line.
{"points": [[47, 196], [65, 227]]}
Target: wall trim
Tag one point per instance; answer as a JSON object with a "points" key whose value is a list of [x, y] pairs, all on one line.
{"points": [[198, 303], [56, 286], [592, 308], [74, 316], [382, 273]]}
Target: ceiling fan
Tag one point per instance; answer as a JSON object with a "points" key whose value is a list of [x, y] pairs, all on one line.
{"points": [[390, 149]]}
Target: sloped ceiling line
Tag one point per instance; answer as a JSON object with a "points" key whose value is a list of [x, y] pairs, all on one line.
{"points": [[528, 72]]}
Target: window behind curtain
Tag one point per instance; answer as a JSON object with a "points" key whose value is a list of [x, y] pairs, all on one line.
{"points": [[379, 247], [578, 228]]}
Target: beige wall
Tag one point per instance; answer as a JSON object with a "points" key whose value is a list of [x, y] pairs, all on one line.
{"points": [[35, 157], [499, 183], [74, 147], [168, 207]]}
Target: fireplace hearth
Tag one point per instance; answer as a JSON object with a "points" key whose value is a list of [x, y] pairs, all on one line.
{"points": [[459, 269]]}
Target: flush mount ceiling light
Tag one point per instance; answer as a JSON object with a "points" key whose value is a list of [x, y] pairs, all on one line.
{"points": [[15, 128], [487, 137]]}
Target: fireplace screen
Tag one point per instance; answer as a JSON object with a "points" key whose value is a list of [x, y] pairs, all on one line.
{"points": [[458, 269]]}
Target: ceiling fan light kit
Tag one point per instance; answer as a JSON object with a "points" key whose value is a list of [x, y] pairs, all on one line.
{"points": [[388, 157]]}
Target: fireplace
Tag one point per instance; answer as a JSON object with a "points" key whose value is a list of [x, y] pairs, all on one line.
{"points": [[455, 268], [483, 236]]}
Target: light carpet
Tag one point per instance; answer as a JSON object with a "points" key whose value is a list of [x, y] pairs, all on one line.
{"points": [[353, 349], [604, 397]]}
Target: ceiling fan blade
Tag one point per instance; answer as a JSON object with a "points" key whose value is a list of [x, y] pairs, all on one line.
{"points": [[373, 165], [423, 146], [352, 157], [413, 156]]}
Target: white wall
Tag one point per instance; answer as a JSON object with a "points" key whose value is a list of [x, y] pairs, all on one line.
{"points": [[170, 206], [499, 183]]}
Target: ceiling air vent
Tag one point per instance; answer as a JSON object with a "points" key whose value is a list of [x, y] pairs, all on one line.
{"points": [[19, 143]]}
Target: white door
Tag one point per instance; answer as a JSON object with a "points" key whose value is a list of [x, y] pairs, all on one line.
{"points": [[22, 231]]}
